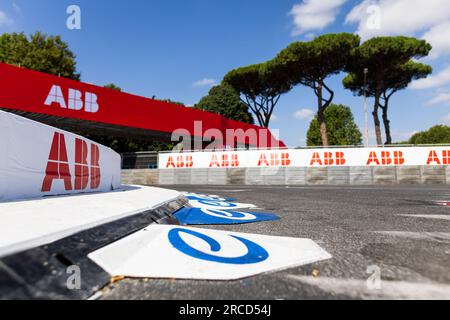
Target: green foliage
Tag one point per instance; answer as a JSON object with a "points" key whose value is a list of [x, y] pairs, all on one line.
{"points": [[389, 64], [380, 54], [112, 86], [263, 79], [309, 63], [439, 134], [48, 54], [399, 78], [224, 100], [261, 85], [341, 128], [390, 68]]}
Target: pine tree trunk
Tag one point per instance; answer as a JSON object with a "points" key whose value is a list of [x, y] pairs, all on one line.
{"points": [[266, 121], [321, 118], [376, 120], [387, 124]]}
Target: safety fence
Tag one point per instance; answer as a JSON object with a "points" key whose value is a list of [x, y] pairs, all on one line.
{"points": [[326, 166]]}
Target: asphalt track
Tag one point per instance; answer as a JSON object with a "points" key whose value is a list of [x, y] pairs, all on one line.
{"points": [[393, 228]]}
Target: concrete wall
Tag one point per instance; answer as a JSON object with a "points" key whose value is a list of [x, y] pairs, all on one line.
{"points": [[291, 176], [142, 177]]}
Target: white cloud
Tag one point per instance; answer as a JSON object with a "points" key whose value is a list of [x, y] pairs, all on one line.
{"points": [[430, 19], [399, 16], [205, 82], [17, 9], [397, 135], [402, 135], [303, 114], [443, 97], [438, 36], [358, 14], [433, 81], [310, 15], [310, 36], [446, 118], [5, 20]]}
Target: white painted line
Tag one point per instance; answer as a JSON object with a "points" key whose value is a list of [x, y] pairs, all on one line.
{"points": [[358, 289], [96, 296], [433, 236], [427, 216], [32, 223], [162, 251]]}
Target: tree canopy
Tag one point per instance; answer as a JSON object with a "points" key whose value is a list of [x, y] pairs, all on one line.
{"points": [[311, 63], [341, 128], [224, 100], [397, 79], [261, 86], [113, 87], [390, 68], [439, 134], [48, 54]]}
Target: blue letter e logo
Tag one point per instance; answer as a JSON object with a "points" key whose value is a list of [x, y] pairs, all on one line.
{"points": [[255, 253]]}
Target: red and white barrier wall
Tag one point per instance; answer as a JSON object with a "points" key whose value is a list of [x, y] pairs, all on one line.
{"points": [[341, 157], [348, 166], [38, 160]]}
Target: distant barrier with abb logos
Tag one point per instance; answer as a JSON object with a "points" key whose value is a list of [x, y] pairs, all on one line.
{"points": [[333, 166], [337, 157], [38, 160]]}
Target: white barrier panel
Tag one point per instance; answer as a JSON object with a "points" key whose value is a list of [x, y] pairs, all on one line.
{"points": [[38, 160], [339, 157], [36, 222]]}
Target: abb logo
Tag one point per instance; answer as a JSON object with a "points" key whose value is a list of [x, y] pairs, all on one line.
{"points": [[225, 161], [435, 159], [180, 162], [274, 160], [58, 167], [386, 158], [328, 159], [75, 101]]}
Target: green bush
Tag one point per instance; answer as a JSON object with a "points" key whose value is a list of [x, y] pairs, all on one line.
{"points": [[341, 128], [435, 135]]}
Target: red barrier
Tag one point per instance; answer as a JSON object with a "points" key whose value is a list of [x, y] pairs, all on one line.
{"points": [[71, 104]]}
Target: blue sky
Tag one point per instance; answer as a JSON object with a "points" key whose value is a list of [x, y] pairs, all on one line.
{"points": [[178, 49]]}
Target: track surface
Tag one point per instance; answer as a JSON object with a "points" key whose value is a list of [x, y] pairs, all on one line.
{"points": [[359, 226]]}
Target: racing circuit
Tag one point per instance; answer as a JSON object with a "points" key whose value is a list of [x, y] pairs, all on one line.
{"points": [[235, 224], [402, 230]]}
